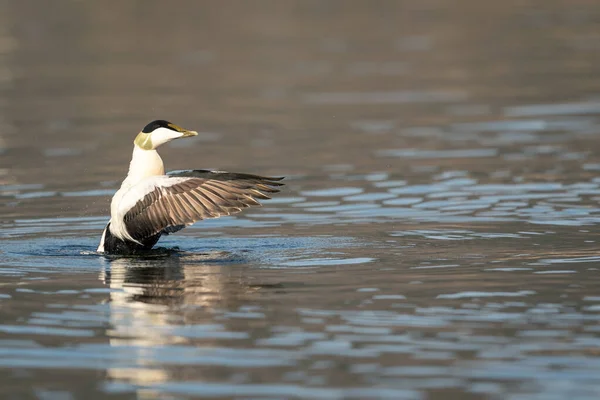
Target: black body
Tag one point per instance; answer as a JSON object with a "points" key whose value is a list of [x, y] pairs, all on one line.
{"points": [[114, 245]]}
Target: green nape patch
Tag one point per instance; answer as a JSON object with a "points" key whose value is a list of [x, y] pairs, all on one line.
{"points": [[143, 141]]}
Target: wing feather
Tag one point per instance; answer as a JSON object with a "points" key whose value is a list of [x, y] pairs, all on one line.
{"points": [[199, 205], [168, 203]]}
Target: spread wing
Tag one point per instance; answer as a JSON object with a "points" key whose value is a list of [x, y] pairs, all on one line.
{"points": [[168, 203]]}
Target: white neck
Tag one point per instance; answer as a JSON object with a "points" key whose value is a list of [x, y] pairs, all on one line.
{"points": [[144, 163]]}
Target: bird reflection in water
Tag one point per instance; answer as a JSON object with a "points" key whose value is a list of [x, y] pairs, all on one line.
{"points": [[209, 280], [153, 298]]}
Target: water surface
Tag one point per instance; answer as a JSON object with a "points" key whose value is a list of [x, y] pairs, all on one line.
{"points": [[436, 237]]}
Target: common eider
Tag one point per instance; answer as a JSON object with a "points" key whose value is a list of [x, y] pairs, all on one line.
{"points": [[150, 203]]}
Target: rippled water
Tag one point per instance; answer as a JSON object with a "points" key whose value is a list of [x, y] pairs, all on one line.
{"points": [[435, 239]]}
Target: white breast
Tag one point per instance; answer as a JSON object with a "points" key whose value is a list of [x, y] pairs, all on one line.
{"points": [[144, 164]]}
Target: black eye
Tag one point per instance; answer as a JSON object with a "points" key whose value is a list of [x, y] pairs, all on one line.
{"points": [[152, 126]]}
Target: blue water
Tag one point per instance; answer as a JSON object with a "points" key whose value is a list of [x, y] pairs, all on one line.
{"points": [[436, 237]]}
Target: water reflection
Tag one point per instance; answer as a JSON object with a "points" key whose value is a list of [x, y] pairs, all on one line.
{"points": [[154, 304], [150, 287]]}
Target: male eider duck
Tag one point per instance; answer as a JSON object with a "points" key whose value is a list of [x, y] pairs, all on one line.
{"points": [[151, 203]]}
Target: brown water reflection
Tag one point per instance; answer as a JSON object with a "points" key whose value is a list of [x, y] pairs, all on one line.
{"points": [[436, 237]]}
